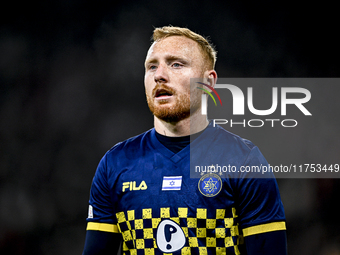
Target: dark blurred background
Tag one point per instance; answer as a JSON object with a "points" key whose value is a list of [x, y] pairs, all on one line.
{"points": [[71, 86]]}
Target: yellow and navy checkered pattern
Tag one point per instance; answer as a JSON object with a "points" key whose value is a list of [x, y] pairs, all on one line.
{"points": [[204, 235]]}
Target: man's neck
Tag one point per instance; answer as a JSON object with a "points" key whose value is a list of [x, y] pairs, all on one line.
{"points": [[184, 127]]}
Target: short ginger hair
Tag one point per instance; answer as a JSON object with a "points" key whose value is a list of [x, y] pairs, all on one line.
{"points": [[206, 47]]}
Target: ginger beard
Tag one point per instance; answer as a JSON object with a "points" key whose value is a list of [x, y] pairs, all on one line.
{"points": [[174, 112]]}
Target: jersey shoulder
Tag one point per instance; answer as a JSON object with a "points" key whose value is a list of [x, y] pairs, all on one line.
{"points": [[233, 138], [220, 141], [132, 146], [126, 154]]}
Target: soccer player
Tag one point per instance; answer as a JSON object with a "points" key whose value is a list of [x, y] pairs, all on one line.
{"points": [[143, 196]]}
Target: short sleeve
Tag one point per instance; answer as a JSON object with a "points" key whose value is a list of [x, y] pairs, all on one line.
{"points": [[259, 203], [101, 215]]}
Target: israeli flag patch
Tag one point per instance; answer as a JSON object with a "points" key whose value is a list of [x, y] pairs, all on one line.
{"points": [[172, 183]]}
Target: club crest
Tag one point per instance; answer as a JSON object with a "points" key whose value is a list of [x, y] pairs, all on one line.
{"points": [[210, 185]]}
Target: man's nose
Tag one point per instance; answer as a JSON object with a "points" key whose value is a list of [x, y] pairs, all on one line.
{"points": [[161, 75]]}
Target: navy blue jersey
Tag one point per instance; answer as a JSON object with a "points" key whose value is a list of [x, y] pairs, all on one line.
{"points": [[185, 202]]}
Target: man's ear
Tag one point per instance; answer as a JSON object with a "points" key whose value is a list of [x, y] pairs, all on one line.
{"points": [[210, 77]]}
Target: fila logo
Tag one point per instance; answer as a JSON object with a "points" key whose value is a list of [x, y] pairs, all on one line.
{"points": [[132, 186]]}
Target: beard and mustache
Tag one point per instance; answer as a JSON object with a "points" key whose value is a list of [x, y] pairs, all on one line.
{"points": [[175, 112]]}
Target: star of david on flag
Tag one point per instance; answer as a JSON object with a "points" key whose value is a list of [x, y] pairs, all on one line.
{"points": [[172, 183]]}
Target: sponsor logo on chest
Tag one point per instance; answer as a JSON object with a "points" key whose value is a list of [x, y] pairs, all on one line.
{"points": [[132, 186]]}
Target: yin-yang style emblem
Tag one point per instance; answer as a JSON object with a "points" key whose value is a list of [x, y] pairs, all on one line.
{"points": [[170, 237]]}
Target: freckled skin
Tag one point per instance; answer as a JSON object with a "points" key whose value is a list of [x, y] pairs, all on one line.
{"points": [[172, 61], [164, 58]]}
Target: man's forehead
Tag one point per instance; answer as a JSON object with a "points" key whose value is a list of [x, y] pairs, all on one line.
{"points": [[174, 45], [175, 40]]}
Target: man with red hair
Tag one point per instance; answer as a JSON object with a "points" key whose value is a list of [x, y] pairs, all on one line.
{"points": [[143, 195]]}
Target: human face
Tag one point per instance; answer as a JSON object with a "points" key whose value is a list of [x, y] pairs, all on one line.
{"points": [[169, 65]]}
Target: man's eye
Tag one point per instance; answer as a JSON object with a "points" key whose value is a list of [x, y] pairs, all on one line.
{"points": [[176, 65], [153, 67]]}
